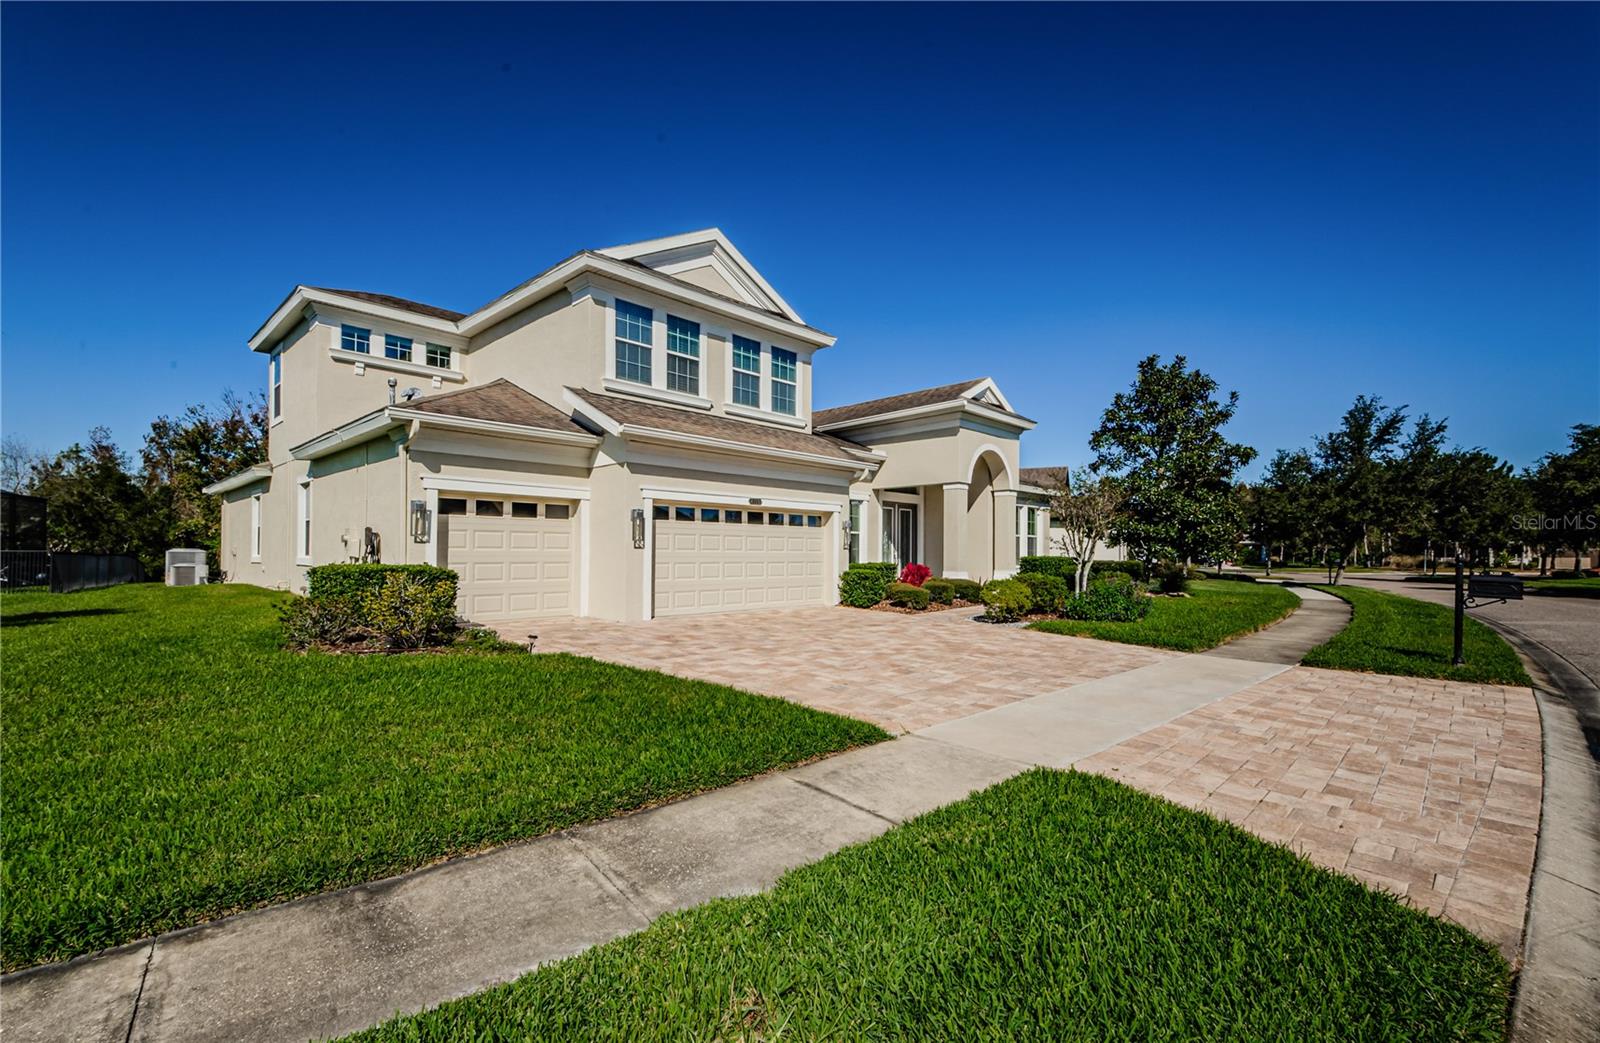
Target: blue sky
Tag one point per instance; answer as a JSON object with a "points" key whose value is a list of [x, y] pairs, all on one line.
{"points": [[1310, 202]]}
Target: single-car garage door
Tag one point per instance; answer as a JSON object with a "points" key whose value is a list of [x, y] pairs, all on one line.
{"points": [[514, 557], [718, 559]]}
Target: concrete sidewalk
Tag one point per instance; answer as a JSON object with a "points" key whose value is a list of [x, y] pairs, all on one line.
{"points": [[1319, 617], [333, 963]]}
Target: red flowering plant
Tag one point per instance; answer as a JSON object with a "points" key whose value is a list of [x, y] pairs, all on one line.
{"points": [[915, 574]]}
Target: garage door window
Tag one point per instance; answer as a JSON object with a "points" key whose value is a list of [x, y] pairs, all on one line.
{"points": [[683, 513], [452, 505], [710, 514], [519, 509], [733, 517], [487, 509], [557, 511], [757, 518], [774, 519]]}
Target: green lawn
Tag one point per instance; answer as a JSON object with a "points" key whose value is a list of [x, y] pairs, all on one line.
{"points": [[1218, 611], [165, 762], [1586, 587], [1053, 906], [1391, 634]]}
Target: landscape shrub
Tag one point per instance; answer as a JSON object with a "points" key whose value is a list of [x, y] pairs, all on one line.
{"points": [[484, 639], [1049, 593], [940, 591], [1172, 578], [907, 595], [408, 612], [915, 574], [326, 621], [862, 587], [1006, 599], [359, 579], [1115, 599], [1046, 565], [966, 589], [887, 569]]}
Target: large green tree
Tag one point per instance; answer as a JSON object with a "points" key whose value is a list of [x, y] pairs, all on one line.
{"points": [[1163, 440], [1567, 492]]}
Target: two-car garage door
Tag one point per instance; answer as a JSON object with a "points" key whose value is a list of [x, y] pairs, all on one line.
{"points": [[719, 559]]}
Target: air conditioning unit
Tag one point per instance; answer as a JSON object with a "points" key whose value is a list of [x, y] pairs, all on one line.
{"points": [[187, 568]]}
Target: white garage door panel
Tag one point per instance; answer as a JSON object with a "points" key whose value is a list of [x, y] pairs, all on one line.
{"points": [[511, 567], [721, 566]]}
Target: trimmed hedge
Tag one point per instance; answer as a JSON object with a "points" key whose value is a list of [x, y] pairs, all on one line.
{"points": [[361, 579], [887, 569], [905, 595], [940, 591], [1112, 600], [966, 589], [1049, 593], [1043, 565], [862, 588], [1006, 599]]}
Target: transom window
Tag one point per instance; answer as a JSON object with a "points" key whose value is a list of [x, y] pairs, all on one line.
{"points": [[784, 369], [438, 355], [397, 347], [683, 355], [354, 338], [746, 371], [634, 342]]}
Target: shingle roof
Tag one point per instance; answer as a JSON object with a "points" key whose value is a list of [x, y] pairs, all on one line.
{"points": [[500, 401], [895, 403], [1044, 477], [683, 421], [396, 302]]}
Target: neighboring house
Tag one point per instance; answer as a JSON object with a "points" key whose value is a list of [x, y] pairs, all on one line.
{"points": [[1037, 485], [627, 435]]}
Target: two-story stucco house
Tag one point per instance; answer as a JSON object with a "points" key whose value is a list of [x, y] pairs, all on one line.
{"points": [[628, 434]]}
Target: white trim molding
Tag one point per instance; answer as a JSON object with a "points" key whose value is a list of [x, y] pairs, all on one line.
{"points": [[362, 360], [680, 495], [534, 490], [249, 476]]}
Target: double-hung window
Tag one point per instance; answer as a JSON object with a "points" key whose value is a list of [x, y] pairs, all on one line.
{"points": [[855, 531], [784, 375], [354, 338], [683, 355], [1033, 530], [633, 342], [303, 536], [1027, 531], [276, 371], [255, 527], [438, 355], [397, 347], [746, 372]]}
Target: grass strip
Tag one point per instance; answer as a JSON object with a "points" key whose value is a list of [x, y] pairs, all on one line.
{"points": [[1215, 612], [1393, 634], [166, 762], [1052, 906]]}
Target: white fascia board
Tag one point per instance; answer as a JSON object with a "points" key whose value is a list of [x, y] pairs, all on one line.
{"points": [[629, 251], [688, 496], [491, 427], [303, 295], [579, 404], [964, 405], [447, 484], [249, 476], [988, 384], [361, 429], [719, 445]]}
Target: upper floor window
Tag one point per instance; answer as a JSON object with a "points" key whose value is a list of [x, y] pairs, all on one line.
{"points": [[439, 355], [633, 342], [746, 371], [397, 348], [784, 369], [354, 338], [683, 355], [275, 368]]}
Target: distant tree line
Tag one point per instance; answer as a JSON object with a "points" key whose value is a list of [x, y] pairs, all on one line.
{"points": [[102, 501], [1383, 488]]}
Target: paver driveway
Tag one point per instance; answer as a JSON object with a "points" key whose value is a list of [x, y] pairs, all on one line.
{"points": [[903, 672], [1427, 789]]}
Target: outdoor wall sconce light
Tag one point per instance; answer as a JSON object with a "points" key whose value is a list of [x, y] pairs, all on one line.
{"points": [[637, 517], [421, 521]]}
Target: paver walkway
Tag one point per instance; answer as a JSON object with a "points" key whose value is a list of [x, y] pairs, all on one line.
{"points": [[1426, 789], [1319, 617], [902, 672]]}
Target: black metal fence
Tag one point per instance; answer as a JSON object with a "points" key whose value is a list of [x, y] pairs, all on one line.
{"points": [[64, 573]]}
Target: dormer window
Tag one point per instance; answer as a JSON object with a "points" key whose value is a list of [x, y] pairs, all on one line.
{"points": [[398, 348], [354, 338], [784, 370], [746, 372], [634, 342], [683, 355]]}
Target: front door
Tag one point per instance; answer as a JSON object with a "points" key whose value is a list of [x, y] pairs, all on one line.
{"points": [[900, 533]]}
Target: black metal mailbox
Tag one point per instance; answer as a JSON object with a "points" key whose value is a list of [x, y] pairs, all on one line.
{"points": [[1494, 588]]}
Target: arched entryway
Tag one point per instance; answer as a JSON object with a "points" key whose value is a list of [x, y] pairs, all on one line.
{"points": [[991, 505]]}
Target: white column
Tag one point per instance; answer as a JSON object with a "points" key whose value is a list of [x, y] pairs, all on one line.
{"points": [[1005, 533], [649, 557], [431, 551], [954, 526]]}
